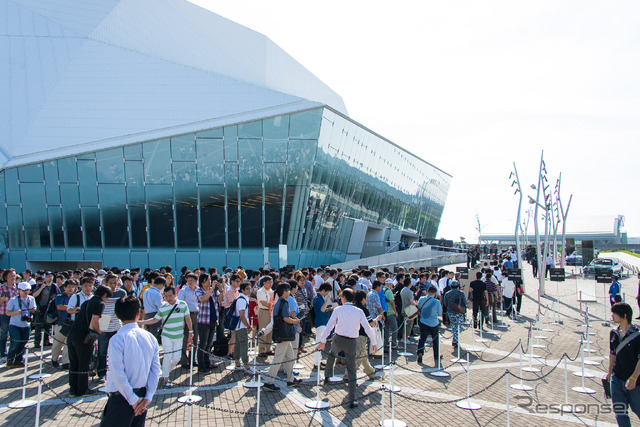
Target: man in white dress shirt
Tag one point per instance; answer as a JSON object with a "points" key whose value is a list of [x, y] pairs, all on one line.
{"points": [[346, 320], [134, 369]]}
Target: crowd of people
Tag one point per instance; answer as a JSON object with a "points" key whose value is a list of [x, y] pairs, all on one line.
{"points": [[93, 319]]}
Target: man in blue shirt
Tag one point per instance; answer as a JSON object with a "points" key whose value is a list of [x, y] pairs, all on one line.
{"points": [[295, 310], [614, 289], [430, 309], [322, 312]]}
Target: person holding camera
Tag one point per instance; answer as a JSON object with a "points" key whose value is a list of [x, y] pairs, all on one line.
{"points": [[21, 309]]}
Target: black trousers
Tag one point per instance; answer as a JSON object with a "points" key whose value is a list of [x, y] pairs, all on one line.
{"points": [[425, 331], [118, 413], [79, 359], [206, 334]]}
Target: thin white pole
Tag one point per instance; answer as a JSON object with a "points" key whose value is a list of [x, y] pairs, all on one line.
{"points": [[508, 407], [258, 402]]}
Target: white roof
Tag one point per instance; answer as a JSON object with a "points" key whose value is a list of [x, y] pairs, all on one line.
{"points": [[84, 75]]}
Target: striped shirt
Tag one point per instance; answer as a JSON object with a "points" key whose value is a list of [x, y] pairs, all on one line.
{"points": [[174, 326], [11, 292], [110, 310]]}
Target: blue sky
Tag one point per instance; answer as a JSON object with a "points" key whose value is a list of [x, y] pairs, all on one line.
{"points": [[474, 86]]}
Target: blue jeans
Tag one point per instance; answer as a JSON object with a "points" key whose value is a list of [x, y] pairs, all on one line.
{"points": [[621, 398], [103, 346], [4, 332], [19, 337]]}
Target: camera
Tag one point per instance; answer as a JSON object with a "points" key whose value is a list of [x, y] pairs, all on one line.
{"points": [[25, 318]]}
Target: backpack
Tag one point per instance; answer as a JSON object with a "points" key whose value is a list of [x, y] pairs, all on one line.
{"points": [[230, 319], [52, 315]]}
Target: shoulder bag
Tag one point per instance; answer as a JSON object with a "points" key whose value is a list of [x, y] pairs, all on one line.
{"points": [[457, 307], [92, 336], [164, 322], [282, 331]]}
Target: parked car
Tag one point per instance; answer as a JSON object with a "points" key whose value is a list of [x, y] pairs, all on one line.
{"points": [[574, 259], [603, 264]]}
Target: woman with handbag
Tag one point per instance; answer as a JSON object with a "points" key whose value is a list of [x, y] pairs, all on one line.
{"points": [[82, 338], [456, 304]]}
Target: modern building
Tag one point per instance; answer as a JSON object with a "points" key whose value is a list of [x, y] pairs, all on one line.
{"points": [[149, 133]]}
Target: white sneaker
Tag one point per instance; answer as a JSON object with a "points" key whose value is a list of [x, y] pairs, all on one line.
{"points": [[3, 360], [239, 368]]}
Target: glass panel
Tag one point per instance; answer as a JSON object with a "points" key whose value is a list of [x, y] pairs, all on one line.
{"points": [[133, 152], [251, 216], [250, 162], [301, 155], [91, 227], [138, 221], [273, 188], [55, 225], [232, 216], [231, 143], [250, 130], [67, 170], [213, 133], [12, 188], [51, 182], [212, 216], [183, 147], [113, 200], [71, 214], [275, 150], [110, 166], [14, 221], [306, 125], [210, 161], [157, 161], [31, 173], [276, 128], [160, 207], [186, 195], [86, 156], [87, 178], [33, 207]]}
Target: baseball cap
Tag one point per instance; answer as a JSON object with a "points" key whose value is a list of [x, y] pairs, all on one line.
{"points": [[388, 281], [24, 286], [101, 271]]}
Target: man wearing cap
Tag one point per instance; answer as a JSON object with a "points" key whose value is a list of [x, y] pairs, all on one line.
{"points": [[20, 308], [455, 296], [100, 278]]}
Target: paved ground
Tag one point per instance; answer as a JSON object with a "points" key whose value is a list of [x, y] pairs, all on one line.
{"points": [[423, 400]]}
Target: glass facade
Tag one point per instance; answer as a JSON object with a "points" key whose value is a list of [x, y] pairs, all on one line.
{"points": [[220, 196]]}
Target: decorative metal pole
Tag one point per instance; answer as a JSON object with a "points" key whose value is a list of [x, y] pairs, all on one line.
{"points": [[518, 248]]}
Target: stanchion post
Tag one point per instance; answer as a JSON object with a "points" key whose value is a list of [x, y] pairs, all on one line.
{"points": [[467, 404], [521, 386], [508, 406], [258, 402], [583, 389], [190, 398], [23, 403], [439, 372], [580, 302], [39, 374], [315, 404]]}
